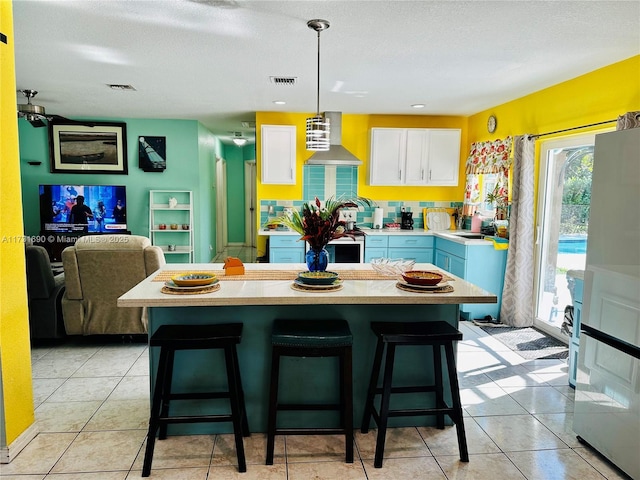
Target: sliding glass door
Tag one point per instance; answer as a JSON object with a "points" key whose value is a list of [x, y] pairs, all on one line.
{"points": [[563, 214]]}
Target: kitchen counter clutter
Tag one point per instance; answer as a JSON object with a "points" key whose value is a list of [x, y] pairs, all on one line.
{"points": [[258, 302]]}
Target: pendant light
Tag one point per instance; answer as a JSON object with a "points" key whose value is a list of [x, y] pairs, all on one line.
{"points": [[318, 127]]}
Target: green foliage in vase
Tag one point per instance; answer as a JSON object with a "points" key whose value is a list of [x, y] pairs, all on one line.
{"points": [[318, 224]]}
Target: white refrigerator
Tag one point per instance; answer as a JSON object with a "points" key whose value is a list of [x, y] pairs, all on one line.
{"points": [[607, 400]]}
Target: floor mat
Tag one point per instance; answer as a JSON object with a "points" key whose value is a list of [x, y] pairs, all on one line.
{"points": [[528, 342]]}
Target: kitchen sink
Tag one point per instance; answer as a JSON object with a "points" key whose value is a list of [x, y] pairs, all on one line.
{"points": [[472, 236], [467, 235]]}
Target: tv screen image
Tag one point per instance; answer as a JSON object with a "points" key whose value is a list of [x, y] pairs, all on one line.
{"points": [[83, 208]]}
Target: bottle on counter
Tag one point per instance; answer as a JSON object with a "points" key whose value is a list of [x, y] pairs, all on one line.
{"points": [[476, 222]]}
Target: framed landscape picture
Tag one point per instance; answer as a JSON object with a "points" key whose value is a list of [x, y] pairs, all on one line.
{"points": [[91, 147]]}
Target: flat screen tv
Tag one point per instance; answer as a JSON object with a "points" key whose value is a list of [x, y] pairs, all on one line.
{"points": [[83, 208]]}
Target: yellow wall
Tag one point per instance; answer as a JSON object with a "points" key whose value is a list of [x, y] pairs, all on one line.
{"points": [[15, 354], [597, 96], [355, 138]]}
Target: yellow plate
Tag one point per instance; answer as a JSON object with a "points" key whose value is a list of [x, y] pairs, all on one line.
{"points": [[194, 279]]}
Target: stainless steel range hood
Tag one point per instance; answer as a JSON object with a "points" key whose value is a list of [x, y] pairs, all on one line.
{"points": [[337, 154]]}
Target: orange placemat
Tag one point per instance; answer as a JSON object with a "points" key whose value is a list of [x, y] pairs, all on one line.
{"points": [[279, 275]]}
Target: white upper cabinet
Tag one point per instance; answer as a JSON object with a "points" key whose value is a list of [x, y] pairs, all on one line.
{"points": [[414, 156], [444, 156], [388, 146], [278, 154]]}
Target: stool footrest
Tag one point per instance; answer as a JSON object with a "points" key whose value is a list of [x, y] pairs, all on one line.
{"points": [[417, 412], [308, 406], [310, 431], [197, 396], [194, 419], [412, 389]]}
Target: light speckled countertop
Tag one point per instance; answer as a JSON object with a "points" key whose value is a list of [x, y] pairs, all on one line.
{"points": [[279, 292]]}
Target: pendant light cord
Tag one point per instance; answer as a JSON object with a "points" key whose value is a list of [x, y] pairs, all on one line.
{"points": [[318, 80]]}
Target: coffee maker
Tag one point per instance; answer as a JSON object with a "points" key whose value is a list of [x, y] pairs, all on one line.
{"points": [[406, 222]]}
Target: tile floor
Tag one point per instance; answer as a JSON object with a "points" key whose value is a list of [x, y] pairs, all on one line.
{"points": [[91, 405]]}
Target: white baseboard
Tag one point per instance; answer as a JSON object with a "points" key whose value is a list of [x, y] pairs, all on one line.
{"points": [[9, 453]]}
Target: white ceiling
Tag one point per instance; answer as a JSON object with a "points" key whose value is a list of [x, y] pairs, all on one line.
{"points": [[211, 60]]}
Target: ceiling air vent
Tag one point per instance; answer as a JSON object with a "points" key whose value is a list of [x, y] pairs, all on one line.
{"points": [[248, 124], [115, 86], [290, 81]]}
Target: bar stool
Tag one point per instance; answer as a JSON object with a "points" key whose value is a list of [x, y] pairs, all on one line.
{"points": [[307, 338], [438, 334], [171, 338]]}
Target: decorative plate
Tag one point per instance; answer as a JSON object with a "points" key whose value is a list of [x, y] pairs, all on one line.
{"points": [[191, 279], [423, 287], [170, 284], [328, 286], [317, 278], [422, 277]]}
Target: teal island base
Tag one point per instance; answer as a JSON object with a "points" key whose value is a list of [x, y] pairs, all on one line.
{"points": [[308, 379]]}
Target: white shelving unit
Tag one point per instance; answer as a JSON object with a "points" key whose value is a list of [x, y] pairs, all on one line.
{"points": [[167, 224]]}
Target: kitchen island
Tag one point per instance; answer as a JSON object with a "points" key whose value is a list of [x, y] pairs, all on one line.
{"points": [[256, 299]]}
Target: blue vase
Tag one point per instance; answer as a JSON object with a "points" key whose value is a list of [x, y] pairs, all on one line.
{"points": [[317, 260]]}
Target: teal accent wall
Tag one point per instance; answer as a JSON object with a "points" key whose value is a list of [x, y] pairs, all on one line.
{"points": [[235, 193], [191, 151], [206, 207]]}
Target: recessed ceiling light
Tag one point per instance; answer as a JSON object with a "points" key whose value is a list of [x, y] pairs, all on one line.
{"points": [[417, 105], [279, 102]]}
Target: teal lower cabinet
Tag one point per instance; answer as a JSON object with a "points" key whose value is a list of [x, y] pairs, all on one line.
{"points": [[574, 344], [375, 246], [286, 249], [412, 247], [481, 265]]}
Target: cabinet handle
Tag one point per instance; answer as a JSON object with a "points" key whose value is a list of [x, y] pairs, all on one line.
{"points": [[400, 174], [422, 175], [429, 174]]}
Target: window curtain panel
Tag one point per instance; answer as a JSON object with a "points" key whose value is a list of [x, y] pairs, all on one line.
{"points": [[486, 157], [517, 301]]}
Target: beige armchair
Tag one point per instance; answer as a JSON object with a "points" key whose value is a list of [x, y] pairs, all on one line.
{"points": [[98, 269]]}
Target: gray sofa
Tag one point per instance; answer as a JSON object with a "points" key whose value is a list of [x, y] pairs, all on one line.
{"points": [[98, 269]]}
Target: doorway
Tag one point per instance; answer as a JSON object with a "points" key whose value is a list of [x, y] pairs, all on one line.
{"points": [[564, 196], [221, 201], [250, 203]]}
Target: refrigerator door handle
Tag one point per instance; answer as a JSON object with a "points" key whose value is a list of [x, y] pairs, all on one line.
{"points": [[613, 342]]}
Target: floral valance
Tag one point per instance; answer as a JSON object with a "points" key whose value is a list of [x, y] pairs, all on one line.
{"points": [[489, 157]]}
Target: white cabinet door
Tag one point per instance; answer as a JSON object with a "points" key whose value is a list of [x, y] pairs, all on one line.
{"points": [[387, 156], [417, 151], [278, 154], [414, 156], [444, 157]]}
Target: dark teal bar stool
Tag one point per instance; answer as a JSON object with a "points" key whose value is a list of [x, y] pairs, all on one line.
{"points": [[398, 334], [312, 338], [171, 338]]}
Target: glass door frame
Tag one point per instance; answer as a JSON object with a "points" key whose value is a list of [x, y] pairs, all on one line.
{"points": [[542, 212]]}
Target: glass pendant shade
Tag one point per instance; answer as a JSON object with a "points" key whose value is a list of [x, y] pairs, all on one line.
{"points": [[318, 130]]}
